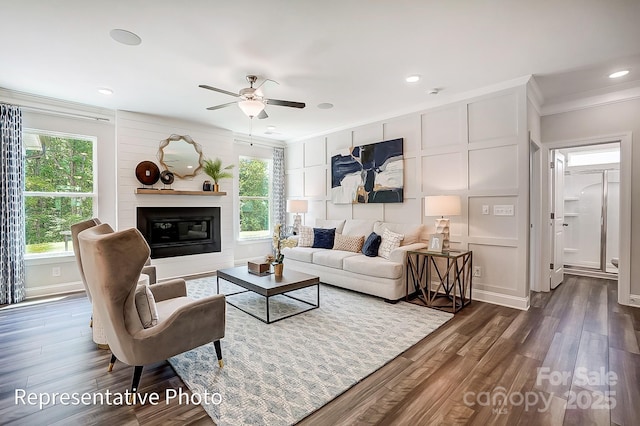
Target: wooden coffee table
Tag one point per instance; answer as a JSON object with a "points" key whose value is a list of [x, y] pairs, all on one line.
{"points": [[268, 286]]}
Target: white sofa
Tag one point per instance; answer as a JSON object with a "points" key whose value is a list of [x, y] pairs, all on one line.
{"points": [[372, 275]]}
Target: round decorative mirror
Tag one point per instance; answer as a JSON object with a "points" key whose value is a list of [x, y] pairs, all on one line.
{"points": [[180, 155]]}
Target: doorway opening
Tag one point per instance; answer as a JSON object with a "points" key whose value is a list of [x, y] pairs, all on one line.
{"points": [[587, 211]]}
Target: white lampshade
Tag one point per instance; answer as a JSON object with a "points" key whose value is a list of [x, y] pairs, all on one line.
{"points": [[297, 206], [442, 205], [251, 107]]}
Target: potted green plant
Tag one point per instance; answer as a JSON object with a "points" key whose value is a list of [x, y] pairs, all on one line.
{"points": [[214, 169]]}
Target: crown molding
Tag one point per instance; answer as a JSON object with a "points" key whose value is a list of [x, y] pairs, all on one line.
{"points": [[591, 101], [443, 99], [51, 106], [535, 94]]}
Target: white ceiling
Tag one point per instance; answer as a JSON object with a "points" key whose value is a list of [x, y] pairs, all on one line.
{"points": [[354, 54]]}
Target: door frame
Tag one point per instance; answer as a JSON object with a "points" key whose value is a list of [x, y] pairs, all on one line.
{"points": [[535, 220], [624, 271]]}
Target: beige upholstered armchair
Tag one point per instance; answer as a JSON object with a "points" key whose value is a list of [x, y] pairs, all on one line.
{"points": [[150, 271], [144, 324]]}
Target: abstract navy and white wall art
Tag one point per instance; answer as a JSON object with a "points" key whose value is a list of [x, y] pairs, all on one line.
{"points": [[372, 173]]}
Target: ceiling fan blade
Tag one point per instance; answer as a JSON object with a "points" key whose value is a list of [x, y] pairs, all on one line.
{"points": [[221, 106], [263, 115], [215, 89], [285, 103]]}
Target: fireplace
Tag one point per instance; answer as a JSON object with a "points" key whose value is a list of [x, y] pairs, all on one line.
{"points": [[180, 231]]}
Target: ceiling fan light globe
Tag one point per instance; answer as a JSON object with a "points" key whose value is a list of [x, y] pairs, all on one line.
{"points": [[251, 107]]}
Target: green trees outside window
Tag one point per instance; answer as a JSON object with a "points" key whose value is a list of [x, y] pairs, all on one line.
{"points": [[254, 176], [59, 189]]}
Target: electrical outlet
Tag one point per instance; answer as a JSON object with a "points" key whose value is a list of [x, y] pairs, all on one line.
{"points": [[485, 209], [55, 271], [477, 271]]}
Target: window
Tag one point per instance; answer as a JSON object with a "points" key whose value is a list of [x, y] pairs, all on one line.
{"points": [[255, 197], [590, 158], [59, 188]]}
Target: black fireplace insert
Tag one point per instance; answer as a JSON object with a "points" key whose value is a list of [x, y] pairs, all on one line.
{"points": [[180, 231]]}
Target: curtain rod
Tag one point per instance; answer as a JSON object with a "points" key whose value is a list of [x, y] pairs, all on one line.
{"points": [[62, 113]]}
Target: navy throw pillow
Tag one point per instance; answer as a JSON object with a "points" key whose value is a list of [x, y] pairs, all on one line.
{"points": [[323, 238], [371, 246]]}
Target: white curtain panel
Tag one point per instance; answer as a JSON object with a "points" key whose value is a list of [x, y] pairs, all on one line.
{"points": [[12, 221], [279, 202]]}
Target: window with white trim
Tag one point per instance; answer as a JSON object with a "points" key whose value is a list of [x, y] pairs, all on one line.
{"points": [[254, 175], [60, 188]]}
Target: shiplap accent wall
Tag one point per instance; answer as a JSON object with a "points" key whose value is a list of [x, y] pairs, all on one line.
{"points": [[477, 148], [138, 137]]}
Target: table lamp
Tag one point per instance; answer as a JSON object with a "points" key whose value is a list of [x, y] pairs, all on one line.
{"points": [[297, 207], [442, 205]]}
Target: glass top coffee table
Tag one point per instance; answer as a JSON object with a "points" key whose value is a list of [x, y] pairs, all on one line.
{"points": [[268, 286]]}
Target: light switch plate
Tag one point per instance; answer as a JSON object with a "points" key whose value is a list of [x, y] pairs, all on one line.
{"points": [[485, 209], [503, 210]]}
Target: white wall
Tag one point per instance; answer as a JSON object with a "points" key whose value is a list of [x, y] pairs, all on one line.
{"points": [[615, 118], [477, 148], [138, 138]]}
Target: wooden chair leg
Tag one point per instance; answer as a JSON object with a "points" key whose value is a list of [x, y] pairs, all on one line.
{"points": [[218, 348], [113, 361], [137, 373]]}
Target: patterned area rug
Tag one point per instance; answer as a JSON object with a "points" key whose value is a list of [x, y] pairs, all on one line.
{"points": [[277, 374]]}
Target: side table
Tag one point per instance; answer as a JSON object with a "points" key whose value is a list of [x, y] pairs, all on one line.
{"points": [[454, 278]]}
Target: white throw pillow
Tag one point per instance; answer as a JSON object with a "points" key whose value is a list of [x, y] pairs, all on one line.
{"points": [[146, 306], [305, 236], [390, 241]]}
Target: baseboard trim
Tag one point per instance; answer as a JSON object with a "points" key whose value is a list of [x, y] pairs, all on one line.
{"points": [[515, 302], [54, 289], [634, 300]]}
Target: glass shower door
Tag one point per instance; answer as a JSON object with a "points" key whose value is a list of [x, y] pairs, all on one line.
{"points": [[583, 215]]}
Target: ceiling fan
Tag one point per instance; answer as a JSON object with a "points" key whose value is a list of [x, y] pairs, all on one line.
{"points": [[251, 102]]}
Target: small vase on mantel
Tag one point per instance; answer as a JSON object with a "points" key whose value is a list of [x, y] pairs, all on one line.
{"points": [[216, 187]]}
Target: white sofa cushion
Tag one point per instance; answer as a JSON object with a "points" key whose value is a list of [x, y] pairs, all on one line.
{"points": [[411, 232], [390, 241], [302, 254], [373, 266], [358, 227], [330, 223], [332, 258]]}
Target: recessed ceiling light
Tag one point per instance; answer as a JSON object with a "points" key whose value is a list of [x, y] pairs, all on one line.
{"points": [[105, 91], [412, 78], [125, 37], [619, 74], [325, 105], [271, 128]]}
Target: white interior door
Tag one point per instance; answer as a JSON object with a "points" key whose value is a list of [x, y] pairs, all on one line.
{"points": [[557, 218]]}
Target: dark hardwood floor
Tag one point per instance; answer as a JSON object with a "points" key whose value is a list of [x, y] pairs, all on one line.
{"points": [[489, 365]]}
